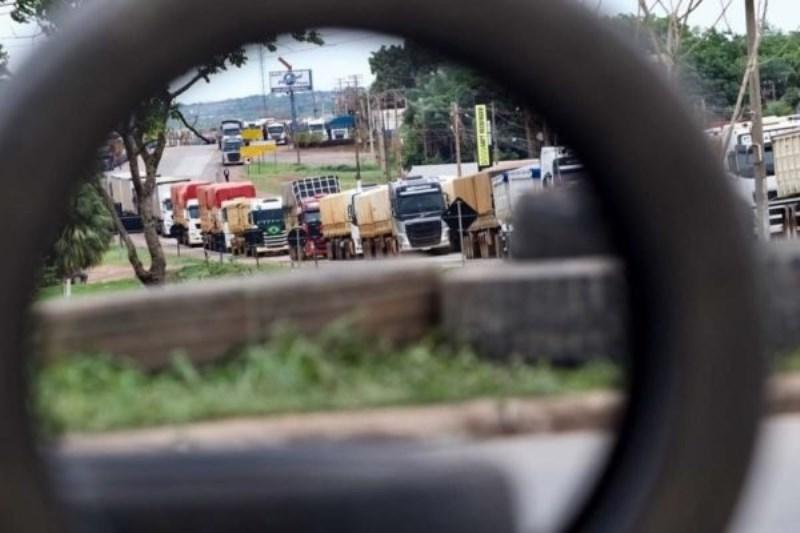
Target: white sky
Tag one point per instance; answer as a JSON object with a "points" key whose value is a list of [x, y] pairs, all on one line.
{"points": [[346, 51]]}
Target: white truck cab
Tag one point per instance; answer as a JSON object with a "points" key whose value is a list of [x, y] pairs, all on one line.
{"points": [[194, 236]]}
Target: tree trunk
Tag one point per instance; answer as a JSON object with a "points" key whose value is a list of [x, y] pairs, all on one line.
{"points": [[529, 135], [158, 262], [133, 256]]}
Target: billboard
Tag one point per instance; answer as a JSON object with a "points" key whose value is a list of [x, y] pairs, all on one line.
{"points": [[290, 80], [482, 137]]}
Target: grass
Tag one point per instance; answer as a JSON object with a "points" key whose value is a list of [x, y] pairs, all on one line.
{"points": [[268, 177], [190, 270], [290, 374], [788, 363]]}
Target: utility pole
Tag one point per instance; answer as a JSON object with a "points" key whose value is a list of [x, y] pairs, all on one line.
{"points": [[757, 130], [495, 147], [384, 145], [396, 136], [457, 133], [371, 126]]}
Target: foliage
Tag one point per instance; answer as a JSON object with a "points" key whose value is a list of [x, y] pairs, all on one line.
{"points": [[291, 373], [431, 85], [84, 238], [711, 63], [399, 66]]}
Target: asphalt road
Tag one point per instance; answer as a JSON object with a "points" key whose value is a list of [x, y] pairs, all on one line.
{"points": [[552, 473]]}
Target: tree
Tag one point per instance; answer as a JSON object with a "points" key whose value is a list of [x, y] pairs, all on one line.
{"points": [[144, 131], [85, 237], [431, 85]]}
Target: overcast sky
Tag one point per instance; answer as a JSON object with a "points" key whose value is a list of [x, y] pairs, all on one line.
{"points": [[346, 51]]}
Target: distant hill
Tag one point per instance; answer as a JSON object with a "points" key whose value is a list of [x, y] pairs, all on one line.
{"points": [[210, 114]]}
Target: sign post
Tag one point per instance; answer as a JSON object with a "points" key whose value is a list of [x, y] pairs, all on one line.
{"points": [[290, 81], [482, 137]]}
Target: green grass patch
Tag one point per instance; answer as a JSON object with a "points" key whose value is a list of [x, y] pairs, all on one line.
{"points": [[290, 374], [90, 289], [191, 270], [789, 362], [268, 177]]}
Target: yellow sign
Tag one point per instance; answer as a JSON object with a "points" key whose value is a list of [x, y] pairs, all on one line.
{"points": [[482, 137], [257, 150]]}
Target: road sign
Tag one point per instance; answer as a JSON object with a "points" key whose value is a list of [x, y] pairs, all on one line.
{"points": [[257, 150], [290, 80], [482, 137], [468, 215]]}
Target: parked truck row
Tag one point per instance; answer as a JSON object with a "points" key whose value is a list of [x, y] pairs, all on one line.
{"points": [[315, 218]]}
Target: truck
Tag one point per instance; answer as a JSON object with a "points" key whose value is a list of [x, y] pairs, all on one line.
{"points": [[784, 205], [373, 215], [186, 225], [417, 206], [267, 215], [163, 201], [508, 188], [483, 237], [252, 132], [337, 225], [229, 128], [302, 213], [232, 151], [241, 236], [121, 189], [276, 131], [216, 236]]}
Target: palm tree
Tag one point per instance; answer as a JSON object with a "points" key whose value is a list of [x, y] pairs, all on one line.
{"points": [[85, 237]]}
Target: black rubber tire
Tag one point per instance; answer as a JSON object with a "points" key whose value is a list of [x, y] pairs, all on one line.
{"points": [[696, 379]]}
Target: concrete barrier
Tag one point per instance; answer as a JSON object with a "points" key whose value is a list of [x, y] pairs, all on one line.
{"points": [[565, 310]]}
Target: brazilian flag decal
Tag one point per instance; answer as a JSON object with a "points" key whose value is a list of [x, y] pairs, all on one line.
{"points": [[273, 230]]}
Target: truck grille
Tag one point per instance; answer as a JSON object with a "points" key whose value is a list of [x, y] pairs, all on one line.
{"points": [[424, 234], [276, 241], [234, 158]]}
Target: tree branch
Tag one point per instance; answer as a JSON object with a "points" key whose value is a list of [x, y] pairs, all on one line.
{"points": [[177, 113], [202, 74]]}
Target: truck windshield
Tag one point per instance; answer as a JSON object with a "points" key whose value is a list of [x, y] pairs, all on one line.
{"points": [[275, 130], [167, 205], [312, 217], [232, 146], [194, 211], [410, 205], [740, 161], [267, 216]]}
